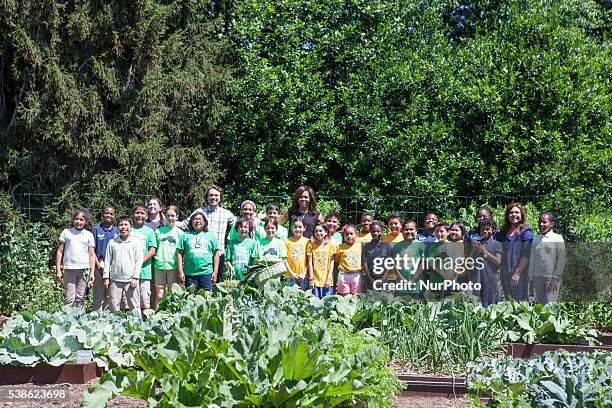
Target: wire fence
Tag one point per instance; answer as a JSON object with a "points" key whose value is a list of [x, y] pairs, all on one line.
{"points": [[350, 208]]}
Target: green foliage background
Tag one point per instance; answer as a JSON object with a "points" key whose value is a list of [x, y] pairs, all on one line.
{"points": [[26, 282], [106, 100]]}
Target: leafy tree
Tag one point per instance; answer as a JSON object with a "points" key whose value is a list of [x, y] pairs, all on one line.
{"points": [[422, 98], [108, 98]]}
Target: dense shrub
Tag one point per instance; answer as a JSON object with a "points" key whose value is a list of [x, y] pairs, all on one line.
{"points": [[26, 281]]}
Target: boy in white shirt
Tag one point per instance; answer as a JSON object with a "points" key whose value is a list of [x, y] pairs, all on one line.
{"points": [[122, 263], [547, 260]]}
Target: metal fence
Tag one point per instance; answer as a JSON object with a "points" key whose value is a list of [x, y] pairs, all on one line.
{"points": [[350, 208]]}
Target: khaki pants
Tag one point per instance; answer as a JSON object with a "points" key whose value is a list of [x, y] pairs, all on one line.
{"points": [[117, 290], [75, 288], [145, 293], [100, 297], [165, 278], [540, 284]]}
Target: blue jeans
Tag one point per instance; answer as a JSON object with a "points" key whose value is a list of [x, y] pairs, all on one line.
{"points": [[302, 284], [321, 292], [200, 282]]}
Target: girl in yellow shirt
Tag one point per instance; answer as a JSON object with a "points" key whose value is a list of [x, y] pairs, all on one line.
{"points": [[296, 255], [348, 257], [321, 262]]}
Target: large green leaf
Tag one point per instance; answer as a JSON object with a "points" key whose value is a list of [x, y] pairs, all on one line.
{"points": [[299, 360]]}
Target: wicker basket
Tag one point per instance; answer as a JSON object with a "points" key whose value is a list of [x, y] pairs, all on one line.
{"points": [[270, 272]]}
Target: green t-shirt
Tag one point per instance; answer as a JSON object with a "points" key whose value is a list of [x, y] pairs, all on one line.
{"points": [[410, 256], [240, 253], [445, 255], [337, 238], [198, 250], [281, 233], [259, 231], [146, 236], [167, 239], [270, 249]]}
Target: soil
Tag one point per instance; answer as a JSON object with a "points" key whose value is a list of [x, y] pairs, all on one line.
{"points": [[75, 395], [401, 401], [75, 392]]}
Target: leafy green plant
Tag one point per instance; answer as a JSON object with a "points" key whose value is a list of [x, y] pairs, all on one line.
{"points": [[26, 279], [531, 324], [217, 357], [54, 338], [556, 379], [439, 337], [383, 382], [595, 314]]}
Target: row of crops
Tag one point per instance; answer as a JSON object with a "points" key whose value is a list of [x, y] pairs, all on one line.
{"points": [[282, 347]]}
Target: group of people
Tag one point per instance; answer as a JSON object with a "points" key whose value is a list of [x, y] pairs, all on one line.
{"points": [[152, 249]]}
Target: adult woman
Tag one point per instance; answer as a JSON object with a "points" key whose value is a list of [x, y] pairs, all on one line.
{"points": [[304, 205], [515, 237]]}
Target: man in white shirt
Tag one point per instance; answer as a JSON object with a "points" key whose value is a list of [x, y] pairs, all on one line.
{"points": [[547, 260]]}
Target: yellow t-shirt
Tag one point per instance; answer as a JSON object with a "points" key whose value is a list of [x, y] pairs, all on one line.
{"points": [[348, 257], [322, 255], [296, 255], [390, 238], [364, 237]]}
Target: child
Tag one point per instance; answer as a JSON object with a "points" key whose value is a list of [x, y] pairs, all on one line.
{"points": [[103, 234], [273, 211], [321, 262], [348, 258], [256, 226], [76, 250], [333, 222], [373, 256], [122, 266], [146, 236], [364, 235], [411, 253], [240, 250], [428, 237], [490, 253], [445, 253], [166, 238], [270, 248], [429, 224], [481, 214], [547, 260], [394, 223], [155, 218], [456, 232], [199, 250], [295, 247]]}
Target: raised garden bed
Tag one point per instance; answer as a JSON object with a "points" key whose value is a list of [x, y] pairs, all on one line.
{"points": [[47, 374], [605, 338], [522, 350], [430, 386]]}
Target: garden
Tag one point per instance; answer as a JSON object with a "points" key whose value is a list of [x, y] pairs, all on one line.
{"points": [[384, 106], [278, 346]]}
